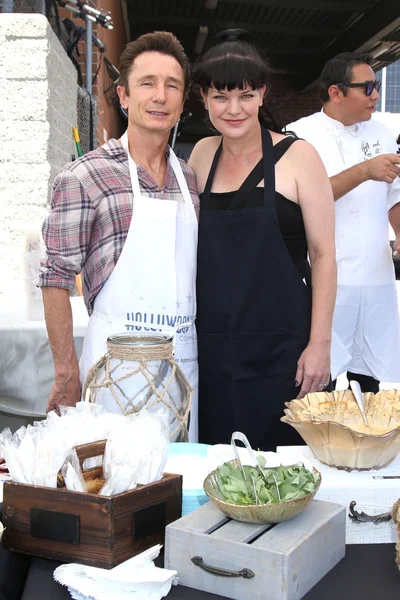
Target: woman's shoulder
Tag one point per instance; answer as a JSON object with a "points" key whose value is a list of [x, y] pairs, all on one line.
{"points": [[298, 149], [203, 147], [201, 158], [203, 153]]}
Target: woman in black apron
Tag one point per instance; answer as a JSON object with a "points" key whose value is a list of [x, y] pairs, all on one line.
{"points": [[259, 346]]}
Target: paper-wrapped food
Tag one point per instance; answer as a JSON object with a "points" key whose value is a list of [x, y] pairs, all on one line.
{"points": [[135, 452], [36, 453]]}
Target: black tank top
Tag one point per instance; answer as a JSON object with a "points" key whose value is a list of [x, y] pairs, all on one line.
{"points": [[290, 218]]}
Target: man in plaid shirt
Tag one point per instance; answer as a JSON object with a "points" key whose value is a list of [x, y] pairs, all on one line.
{"points": [[93, 209]]}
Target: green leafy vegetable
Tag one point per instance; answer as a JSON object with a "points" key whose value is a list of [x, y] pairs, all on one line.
{"points": [[293, 482]]}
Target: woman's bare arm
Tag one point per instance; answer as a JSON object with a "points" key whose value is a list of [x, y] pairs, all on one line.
{"points": [[316, 201]]}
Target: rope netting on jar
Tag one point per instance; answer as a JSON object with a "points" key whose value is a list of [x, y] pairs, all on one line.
{"points": [[152, 391]]}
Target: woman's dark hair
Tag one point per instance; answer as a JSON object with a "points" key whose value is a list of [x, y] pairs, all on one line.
{"points": [[233, 62], [340, 70]]}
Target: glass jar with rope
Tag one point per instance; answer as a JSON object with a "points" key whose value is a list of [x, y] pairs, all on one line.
{"points": [[137, 372]]}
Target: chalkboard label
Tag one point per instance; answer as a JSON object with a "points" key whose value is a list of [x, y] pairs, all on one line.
{"points": [[55, 526]]}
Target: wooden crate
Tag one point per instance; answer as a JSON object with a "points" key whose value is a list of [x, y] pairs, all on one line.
{"points": [[258, 562], [86, 528]]}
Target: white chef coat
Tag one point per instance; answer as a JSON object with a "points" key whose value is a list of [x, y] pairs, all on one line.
{"points": [[366, 329], [153, 285]]}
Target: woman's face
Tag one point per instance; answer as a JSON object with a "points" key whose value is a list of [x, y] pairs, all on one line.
{"points": [[234, 113]]}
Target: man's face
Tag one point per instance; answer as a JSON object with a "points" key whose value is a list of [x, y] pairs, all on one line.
{"points": [[156, 92], [356, 105]]}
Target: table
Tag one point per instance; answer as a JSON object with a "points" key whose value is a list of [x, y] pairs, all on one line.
{"points": [[368, 571], [27, 366]]}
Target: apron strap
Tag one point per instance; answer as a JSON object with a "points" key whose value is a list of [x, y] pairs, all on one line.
{"points": [[269, 170], [257, 174], [251, 181], [176, 167], [132, 166], [181, 179], [210, 179], [281, 147]]}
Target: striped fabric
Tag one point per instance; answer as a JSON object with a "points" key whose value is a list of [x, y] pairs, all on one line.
{"points": [[91, 210]]}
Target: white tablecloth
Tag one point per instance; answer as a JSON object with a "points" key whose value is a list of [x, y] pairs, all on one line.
{"points": [[26, 362]]}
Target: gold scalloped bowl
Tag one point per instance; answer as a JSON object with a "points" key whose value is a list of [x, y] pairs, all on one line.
{"points": [[332, 426], [259, 513]]}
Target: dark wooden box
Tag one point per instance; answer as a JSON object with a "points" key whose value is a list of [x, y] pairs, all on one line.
{"points": [[86, 528]]}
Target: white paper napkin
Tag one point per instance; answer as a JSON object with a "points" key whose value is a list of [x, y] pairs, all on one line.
{"points": [[137, 578]]}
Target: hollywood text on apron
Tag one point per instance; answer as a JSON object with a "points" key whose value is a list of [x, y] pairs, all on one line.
{"points": [[152, 286]]}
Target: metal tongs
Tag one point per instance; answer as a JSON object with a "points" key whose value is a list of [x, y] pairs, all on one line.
{"points": [[237, 435], [356, 389]]}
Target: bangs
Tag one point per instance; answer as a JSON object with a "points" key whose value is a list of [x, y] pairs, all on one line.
{"points": [[230, 72]]}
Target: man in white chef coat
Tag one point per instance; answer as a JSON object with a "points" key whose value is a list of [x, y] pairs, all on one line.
{"points": [[125, 215], [360, 157]]}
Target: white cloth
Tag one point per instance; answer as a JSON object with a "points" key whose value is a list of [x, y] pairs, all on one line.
{"points": [[137, 578], [153, 285], [366, 327]]}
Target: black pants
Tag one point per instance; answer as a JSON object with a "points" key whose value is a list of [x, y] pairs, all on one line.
{"points": [[367, 383]]}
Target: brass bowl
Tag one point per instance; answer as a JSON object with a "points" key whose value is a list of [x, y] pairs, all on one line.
{"points": [[259, 513], [332, 426]]}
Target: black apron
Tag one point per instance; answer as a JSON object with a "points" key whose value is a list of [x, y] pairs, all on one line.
{"points": [[253, 317]]}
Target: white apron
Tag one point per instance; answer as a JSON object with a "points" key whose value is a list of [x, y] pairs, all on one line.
{"points": [[153, 285], [366, 329]]}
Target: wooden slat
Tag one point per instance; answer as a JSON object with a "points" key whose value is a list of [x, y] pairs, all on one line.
{"points": [[239, 532], [285, 536], [90, 450], [205, 519]]}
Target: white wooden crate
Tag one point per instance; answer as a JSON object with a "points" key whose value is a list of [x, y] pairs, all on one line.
{"points": [[372, 494], [287, 559]]}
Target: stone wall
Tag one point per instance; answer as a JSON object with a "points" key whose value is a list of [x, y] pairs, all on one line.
{"points": [[38, 94]]}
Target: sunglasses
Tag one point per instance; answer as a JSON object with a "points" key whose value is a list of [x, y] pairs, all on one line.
{"points": [[368, 86]]}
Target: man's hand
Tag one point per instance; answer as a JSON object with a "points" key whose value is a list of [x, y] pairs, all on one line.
{"points": [[383, 168], [66, 391], [313, 368]]}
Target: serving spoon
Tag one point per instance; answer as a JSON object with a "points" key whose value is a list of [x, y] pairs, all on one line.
{"points": [[238, 435], [356, 389]]}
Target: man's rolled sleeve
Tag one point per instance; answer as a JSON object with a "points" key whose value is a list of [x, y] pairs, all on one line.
{"points": [[66, 232]]}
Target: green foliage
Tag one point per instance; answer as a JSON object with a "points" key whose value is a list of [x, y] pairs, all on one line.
{"points": [[293, 482]]}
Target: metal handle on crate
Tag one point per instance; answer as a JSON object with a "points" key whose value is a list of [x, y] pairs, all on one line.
{"points": [[245, 573], [362, 517]]}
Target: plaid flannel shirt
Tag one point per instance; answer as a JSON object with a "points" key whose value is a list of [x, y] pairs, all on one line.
{"points": [[91, 211]]}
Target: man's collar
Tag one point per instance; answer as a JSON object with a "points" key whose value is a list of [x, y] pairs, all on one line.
{"points": [[114, 148], [334, 124]]}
